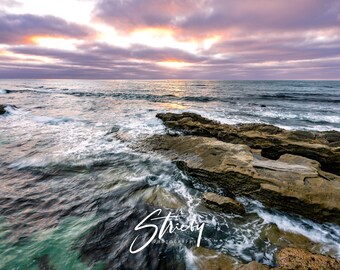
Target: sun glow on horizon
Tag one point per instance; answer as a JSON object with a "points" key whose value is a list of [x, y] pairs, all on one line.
{"points": [[174, 64], [169, 39]]}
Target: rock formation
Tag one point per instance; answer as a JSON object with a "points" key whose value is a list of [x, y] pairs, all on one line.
{"points": [[159, 197], [323, 147], [210, 259], [2, 109], [299, 259], [291, 183], [221, 203]]}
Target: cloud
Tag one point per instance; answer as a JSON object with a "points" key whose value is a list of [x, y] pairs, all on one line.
{"points": [[265, 39], [18, 28], [206, 17], [102, 61], [145, 13], [8, 3], [99, 55], [324, 69]]}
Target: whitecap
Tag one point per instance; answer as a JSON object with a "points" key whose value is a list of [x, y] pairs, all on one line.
{"points": [[10, 109], [51, 120], [190, 259], [326, 234]]}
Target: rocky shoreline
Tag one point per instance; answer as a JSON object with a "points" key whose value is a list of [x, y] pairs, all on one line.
{"points": [[292, 171], [235, 162], [288, 258], [273, 141]]}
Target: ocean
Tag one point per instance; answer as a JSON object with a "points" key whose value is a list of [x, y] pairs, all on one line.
{"points": [[70, 173]]}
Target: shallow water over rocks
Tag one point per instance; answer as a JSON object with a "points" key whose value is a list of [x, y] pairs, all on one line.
{"points": [[73, 185]]}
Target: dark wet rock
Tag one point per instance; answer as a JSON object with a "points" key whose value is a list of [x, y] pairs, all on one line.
{"points": [[221, 203], [291, 183], [333, 137], [2, 109], [108, 244], [44, 263], [114, 129], [281, 239], [299, 259], [274, 141]]}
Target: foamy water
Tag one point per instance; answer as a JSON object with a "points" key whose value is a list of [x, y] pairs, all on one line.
{"points": [[67, 163]]}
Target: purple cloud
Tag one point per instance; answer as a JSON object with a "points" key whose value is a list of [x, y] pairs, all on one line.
{"points": [[15, 28], [145, 13], [206, 16], [265, 39], [102, 61]]}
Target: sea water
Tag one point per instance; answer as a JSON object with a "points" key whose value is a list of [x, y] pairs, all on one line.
{"points": [[68, 168]]}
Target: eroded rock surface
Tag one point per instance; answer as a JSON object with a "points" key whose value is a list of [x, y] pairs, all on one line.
{"points": [[254, 266], [210, 259], [299, 259], [291, 183], [323, 147], [287, 259], [159, 197], [221, 203], [280, 238]]}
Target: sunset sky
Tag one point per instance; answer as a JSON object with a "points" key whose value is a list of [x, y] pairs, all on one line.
{"points": [[170, 39]]}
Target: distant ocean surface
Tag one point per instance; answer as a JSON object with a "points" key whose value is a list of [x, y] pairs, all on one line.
{"points": [[289, 104], [67, 162]]}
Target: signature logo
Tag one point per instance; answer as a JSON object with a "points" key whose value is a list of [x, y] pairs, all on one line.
{"points": [[168, 226]]}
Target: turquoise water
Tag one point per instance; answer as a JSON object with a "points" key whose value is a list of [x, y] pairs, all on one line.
{"points": [[57, 243], [72, 182]]}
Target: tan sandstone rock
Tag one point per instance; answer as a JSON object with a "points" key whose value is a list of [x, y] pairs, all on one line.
{"points": [[298, 259], [281, 238], [221, 203], [291, 183], [159, 197], [273, 141], [213, 260], [253, 266]]}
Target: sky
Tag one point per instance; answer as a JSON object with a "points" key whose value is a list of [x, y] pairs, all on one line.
{"points": [[170, 39]]}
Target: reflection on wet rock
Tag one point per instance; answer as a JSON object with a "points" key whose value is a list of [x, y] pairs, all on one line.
{"points": [[280, 238], [159, 197], [221, 203], [204, 258]]}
